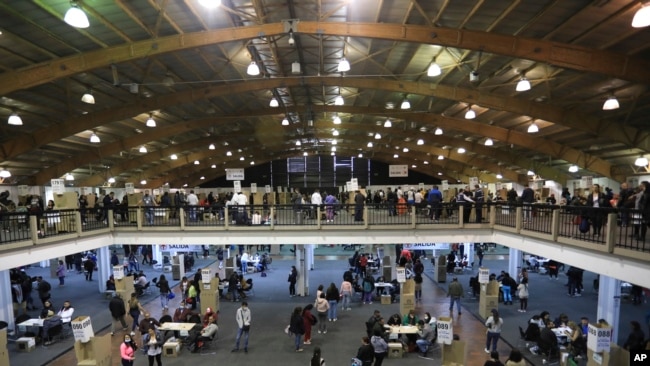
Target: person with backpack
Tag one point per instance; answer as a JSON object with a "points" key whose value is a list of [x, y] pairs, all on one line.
{"points": [[368, 286], [316, 359]]}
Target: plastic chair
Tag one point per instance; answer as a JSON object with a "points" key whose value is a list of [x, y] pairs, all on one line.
{"points": [[51, 334]]}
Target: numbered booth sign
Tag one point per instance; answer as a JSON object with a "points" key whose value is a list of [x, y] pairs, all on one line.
{"points": [[401, 274], [483, 275], [206, 276], [599, 338], [82, 329], [445, 330], [118, 272]]}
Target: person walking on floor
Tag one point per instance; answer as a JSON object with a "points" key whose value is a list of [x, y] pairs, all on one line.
{"points": [[243, 318], [60, 272], [332, 296], [152, 342], [380, 346], [455, 292], [522, 292], [297, 327], [127, 351], [309, 320], [322, 308], [163, 285], [135, 308], [118, 311], [494, 324], [366, 352]]}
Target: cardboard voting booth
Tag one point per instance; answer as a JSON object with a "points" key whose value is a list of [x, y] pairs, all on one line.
{"points": [[4, 352], [616, 356], [445, 330], [95, 352], [82, 328], [489, 298], [599, 338], [440, 270], [454, 353], [407, 297], [171, 349]]}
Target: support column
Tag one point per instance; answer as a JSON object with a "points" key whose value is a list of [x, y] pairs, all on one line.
{"points": [[302, 286], [275, 250], [156, 253], [6, 305], [309, 256], [609, 303], [469, 250], [514, 262], [104, 268]]}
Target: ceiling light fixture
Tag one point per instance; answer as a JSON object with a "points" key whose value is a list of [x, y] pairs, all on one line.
{"points": [[333, 153], [274, 103], [438, 131], [530, 173], [111, 180], [426, 162], [143, 149], [489, 142], [285, 121], [241, 158], [573, 169], [173, 156], [533, 128], [88, 97], [15, 120], [253, 69], [5, 174], [369, 144], [213, 166], [642, 17], [377, 136], [334, 142], [611, 103], [434, 69], [395, 156], [388, 123], [298, 143], [228, 153], [339, 100], [69, 176], [210, 3], [499, 176], [212, 147], [333, 148], [360, 155], [295, 68], [335, 133], [641, 161], [522, 85], [291, 40], [196, 162], [461, 150], [405, 104], [420, 142], [94, 139], [336, 119], [406, 149], [440, 157], [470, 114], [143, 182], [76, 17], [150, 121], [344, 65], [252, 163], [304, 153], [202, 177]]}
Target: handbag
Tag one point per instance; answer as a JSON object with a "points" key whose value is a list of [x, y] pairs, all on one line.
{"points": [[356, 362], [287, 331], [246, 328], [171, 296]]}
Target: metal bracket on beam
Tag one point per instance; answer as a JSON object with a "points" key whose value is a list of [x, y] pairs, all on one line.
{"points": [[290, 25]]}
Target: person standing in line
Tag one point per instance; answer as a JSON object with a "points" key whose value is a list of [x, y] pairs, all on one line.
{"points": [[309, 320], [293, 278], [152, 343], [243, 318], [316, 359], [127, 351], [346, 294], [322, 308], [163, 285], [366, 352], [332, 296], [60, 272], [89, 268], [494, 324], [118, 311], [522, 292], [359, 200], [380, 346], [455, 292], [297, 327]]}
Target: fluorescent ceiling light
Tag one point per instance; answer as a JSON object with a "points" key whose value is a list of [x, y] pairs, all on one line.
{"points": [[434, 70], [274, 103], [298, 143], [642, 17], [523, 85], [499, 176], [253, 69], [333, 148], [94, 138], [438, 131], [241, 158], [533, 128], [360, 155], [76, 17], [143, 182], [252, 163], [337, 120], [395, 156], [426, 162], [369, 144], [173, 156], [88, 98], [611, 103], [461, 150], [440, 157], [285, 121], [202, 177], [196, 162], [335, 133], [15, 120], [228, 153], [344, 65], [304, 153], [406, 149], [111, 180], [213, 166], [377, 136]]}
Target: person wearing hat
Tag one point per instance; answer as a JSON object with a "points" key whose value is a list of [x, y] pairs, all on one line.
{"points": [[49, 321], [494, 324]]}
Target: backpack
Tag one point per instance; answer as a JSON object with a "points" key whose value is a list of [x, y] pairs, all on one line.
{"points": [[584, 226], [367, 286]]}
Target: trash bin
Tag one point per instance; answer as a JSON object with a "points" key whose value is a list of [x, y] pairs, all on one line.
{"points": [[299, 217]]}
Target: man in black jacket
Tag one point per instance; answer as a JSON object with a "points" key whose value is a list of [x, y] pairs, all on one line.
{"points": [[118, 310]]}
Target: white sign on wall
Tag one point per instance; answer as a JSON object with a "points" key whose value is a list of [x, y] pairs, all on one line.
{"points": [[129, 187], [445, 330], [348, 186], [253, 187], [267, 188], [473, 181], [426, 246], [235, 174], [445, 185], [237, 186], [58, 186], [398, 170], [586, 182], [23, 190]]}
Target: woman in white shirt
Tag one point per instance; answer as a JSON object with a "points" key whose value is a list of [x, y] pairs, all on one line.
{"points": [[494, 324]]}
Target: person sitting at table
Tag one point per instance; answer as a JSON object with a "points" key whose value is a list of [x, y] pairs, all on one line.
{"points": [[205, 335], [394, 290], [395, 320], [410, 318], [110, 283], [429, 319], [425, 337], [577, 343], [209, 316], [49, 321], [562, 321], [243, 286], [183, 313], [66, 312], [547, 343]]}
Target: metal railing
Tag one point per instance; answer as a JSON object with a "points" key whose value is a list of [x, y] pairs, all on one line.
{"points": [[609, 229]]}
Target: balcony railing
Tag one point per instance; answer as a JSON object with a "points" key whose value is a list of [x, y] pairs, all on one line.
{"points": [[609, 229]]}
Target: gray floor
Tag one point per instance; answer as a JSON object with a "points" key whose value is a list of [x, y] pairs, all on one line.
{"points": [[271, 307]]}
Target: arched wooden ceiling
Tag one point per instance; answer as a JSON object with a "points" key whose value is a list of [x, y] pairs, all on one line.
{"points": [[573, 67]]}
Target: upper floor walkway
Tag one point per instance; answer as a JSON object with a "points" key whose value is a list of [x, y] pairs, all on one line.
{"points": [[611, 246]]}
